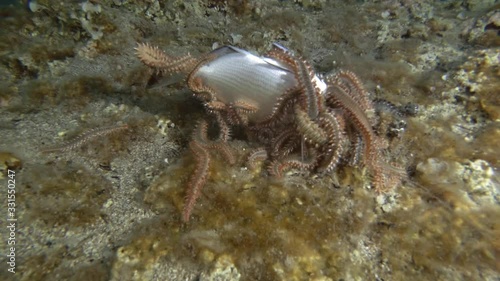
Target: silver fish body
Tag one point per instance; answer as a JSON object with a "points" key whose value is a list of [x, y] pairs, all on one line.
{"points": [[236, 75]]}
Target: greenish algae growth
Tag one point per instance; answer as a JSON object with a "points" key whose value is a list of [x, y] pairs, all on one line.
{"points": [[65, 195], [258, 220], [324, 232]]}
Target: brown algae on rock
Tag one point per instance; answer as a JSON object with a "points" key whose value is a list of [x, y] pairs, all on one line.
{"points": [[8, 161]]}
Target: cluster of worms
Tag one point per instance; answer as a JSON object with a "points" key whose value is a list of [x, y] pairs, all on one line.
{"points": [[296, 120], [312, 125]]}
